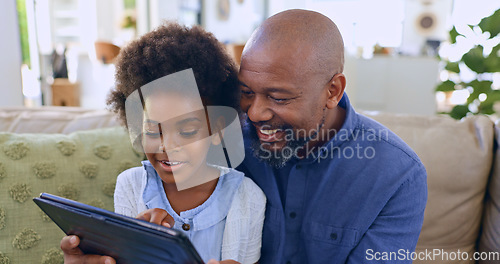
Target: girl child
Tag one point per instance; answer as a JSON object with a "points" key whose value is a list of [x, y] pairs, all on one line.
{"points": [[166, 83]]}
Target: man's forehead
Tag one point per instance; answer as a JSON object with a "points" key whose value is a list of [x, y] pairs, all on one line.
{"points": [[271, 87]]}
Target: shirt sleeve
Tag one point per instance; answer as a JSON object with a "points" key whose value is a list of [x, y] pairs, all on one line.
{"points": [[125, 195], [397, 227], [242, 238]]}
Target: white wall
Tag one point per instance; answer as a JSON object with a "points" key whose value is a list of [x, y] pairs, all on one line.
{"points": [[243, 19], [10, 54], [109, 19], [276, 6], [392, 84], [151, 13]]}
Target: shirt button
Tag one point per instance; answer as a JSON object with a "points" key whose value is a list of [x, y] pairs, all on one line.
{"points": [[293, 215], [186, 227], [298, 167], [333, 236], [288, 262]]}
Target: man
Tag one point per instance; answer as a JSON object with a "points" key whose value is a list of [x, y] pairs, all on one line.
{"points": [[341, 188]]}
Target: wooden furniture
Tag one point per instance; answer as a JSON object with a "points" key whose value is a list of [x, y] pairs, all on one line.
{"points": [[235, 51], [106, 52], [65, 93]]}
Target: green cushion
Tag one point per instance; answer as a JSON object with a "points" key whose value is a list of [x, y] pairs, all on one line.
{"points": [[81, 166]]}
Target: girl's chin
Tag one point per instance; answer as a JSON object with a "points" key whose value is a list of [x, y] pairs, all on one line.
{"points": [[170, 179]]}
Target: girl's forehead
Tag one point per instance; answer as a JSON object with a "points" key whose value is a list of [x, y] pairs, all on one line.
{"points": [[167, 105]]}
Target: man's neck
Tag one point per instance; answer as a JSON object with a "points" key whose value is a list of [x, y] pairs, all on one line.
{"points": [[334, 120]]}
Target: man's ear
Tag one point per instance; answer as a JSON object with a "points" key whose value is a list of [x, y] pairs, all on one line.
{"points": [[218, 130], [336, 87]]}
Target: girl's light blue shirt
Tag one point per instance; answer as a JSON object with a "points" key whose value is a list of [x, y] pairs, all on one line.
{"points": [[207, 221]]}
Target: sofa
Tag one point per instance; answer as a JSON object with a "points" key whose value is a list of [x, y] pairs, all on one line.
{"points": [[77, 153]]}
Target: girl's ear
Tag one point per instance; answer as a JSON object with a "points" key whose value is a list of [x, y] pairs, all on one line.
{"points": [[218, 131], [335, 90]]}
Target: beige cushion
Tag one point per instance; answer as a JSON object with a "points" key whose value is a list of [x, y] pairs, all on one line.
{"points": [[52, 119], [82, 166], [490, 237], [457, 156]]}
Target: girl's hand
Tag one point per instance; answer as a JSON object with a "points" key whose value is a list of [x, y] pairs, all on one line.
{"points": [[157, 216]]}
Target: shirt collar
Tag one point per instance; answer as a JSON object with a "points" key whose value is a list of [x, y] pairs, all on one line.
{"points": [[211, 212]]}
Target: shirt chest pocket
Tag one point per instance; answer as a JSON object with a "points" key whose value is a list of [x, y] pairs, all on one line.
{"points": [[328, 244], [344, 237]]}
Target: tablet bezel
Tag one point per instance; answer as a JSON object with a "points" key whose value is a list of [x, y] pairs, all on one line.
{"points": [[94, 225]]}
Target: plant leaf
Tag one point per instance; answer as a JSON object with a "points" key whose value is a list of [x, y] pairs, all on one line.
{"points": [[453, 35], [486, 109], [446, 86], [495, 50], [453, 67], [474, 59], [459, 111], [492, 97], [491, 24], [481, 86], [492, 62]]}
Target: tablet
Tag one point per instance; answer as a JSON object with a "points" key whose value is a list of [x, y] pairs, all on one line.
{"points": [[126, 239]]}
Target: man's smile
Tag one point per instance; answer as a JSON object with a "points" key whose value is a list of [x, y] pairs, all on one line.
{"points": [[268, 135]]}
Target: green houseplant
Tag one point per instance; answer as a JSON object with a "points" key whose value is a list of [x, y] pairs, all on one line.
{"points": [[482, 95]]}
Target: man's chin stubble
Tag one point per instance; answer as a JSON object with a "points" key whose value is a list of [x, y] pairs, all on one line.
{"points": [[276, 158]]}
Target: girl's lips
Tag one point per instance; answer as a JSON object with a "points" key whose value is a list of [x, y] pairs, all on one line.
{"points": [[171, 166]]}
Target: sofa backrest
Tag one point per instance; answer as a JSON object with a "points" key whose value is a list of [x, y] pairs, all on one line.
{"points": [[54, 119], [458, 158]]}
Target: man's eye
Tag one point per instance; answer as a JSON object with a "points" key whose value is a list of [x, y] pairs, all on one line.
{"points": [[246, 92], [279, 100]]}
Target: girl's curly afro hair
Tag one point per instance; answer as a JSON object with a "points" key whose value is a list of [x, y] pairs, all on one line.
{"points": [[169, 49]]}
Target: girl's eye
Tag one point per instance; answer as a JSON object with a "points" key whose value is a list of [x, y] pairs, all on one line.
{"points": [[152, 134], [188, 133]]}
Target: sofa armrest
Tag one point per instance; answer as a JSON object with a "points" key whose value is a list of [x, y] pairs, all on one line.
{"points": [[490, 237]]}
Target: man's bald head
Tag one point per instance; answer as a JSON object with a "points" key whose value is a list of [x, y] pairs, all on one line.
{"points": [[301, 32]]}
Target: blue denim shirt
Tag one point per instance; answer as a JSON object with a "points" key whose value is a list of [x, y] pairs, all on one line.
{"points": [[364, 192]]}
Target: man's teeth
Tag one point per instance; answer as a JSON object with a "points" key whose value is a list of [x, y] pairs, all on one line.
{"points": [[171, 163], [269, 132]]}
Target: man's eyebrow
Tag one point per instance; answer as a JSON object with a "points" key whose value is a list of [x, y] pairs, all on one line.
{"points": [[242, 83], [271, 89], [278, 90]]}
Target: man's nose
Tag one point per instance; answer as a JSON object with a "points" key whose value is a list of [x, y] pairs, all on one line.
{"points": [[258, 110]]}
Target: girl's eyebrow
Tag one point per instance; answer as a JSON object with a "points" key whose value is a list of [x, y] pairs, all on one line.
{"points": [[151, 121], [187, 120], [181, 122]]}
